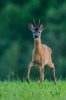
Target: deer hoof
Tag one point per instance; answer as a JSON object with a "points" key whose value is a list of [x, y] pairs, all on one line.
{"points": [[27, 80]]}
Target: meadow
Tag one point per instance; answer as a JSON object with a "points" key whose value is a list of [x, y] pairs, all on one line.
{"points": [[18, 90]]}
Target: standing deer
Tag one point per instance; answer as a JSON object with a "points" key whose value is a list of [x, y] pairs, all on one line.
{"points": [[41, 53]]}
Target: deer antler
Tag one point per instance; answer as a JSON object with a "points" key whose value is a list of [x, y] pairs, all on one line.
{"points": [[34, 22], [39, 22]]}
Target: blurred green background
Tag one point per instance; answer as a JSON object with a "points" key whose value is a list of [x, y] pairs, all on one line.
{"points": [[16, 40]]}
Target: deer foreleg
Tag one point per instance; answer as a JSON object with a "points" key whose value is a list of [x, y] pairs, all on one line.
{"points": [[28, 73], [42, 74]]}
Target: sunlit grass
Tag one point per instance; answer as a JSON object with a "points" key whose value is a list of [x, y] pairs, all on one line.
{"points": [[17, 90]]}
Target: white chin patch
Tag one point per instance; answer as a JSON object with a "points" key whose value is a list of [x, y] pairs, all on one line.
{"points": [[36, 38]]}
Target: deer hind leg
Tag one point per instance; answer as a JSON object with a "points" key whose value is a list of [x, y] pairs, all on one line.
{"points": [[38, 67], [41, 70], [28, 73], [51, 65]]}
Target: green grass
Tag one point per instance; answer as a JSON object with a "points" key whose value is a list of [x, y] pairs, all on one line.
{"points": [[17, 90]]}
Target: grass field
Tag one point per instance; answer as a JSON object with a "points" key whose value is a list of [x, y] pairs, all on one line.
{"points": [[17, 90]]}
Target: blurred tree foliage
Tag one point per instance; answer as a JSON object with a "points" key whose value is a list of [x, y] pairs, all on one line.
{"points": [[16, 41]]}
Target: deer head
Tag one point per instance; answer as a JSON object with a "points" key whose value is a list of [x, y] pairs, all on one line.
{"points": [[36, 29]]}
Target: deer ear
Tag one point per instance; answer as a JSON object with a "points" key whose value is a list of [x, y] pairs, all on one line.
{"points": [[42, 26], [30, 26]]}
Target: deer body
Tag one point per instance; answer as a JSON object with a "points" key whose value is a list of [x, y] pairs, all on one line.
{"points": [[41, 54]]}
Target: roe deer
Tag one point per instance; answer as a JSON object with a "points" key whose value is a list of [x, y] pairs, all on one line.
{"points": [[41, 53]]}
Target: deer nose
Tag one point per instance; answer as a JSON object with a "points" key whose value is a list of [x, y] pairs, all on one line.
{"points": [[36, 36]]}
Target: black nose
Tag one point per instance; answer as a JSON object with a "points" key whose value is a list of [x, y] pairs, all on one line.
{"points": [[36, 36]]}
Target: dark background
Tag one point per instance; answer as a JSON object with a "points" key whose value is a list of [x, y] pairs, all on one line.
{"points": [[16, 40]]}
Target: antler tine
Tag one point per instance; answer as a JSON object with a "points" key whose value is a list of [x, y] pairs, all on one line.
{"points": [[34, 22], [39, 22]]}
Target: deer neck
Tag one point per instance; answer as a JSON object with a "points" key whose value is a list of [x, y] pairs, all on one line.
{"points": [[37, 44]]}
